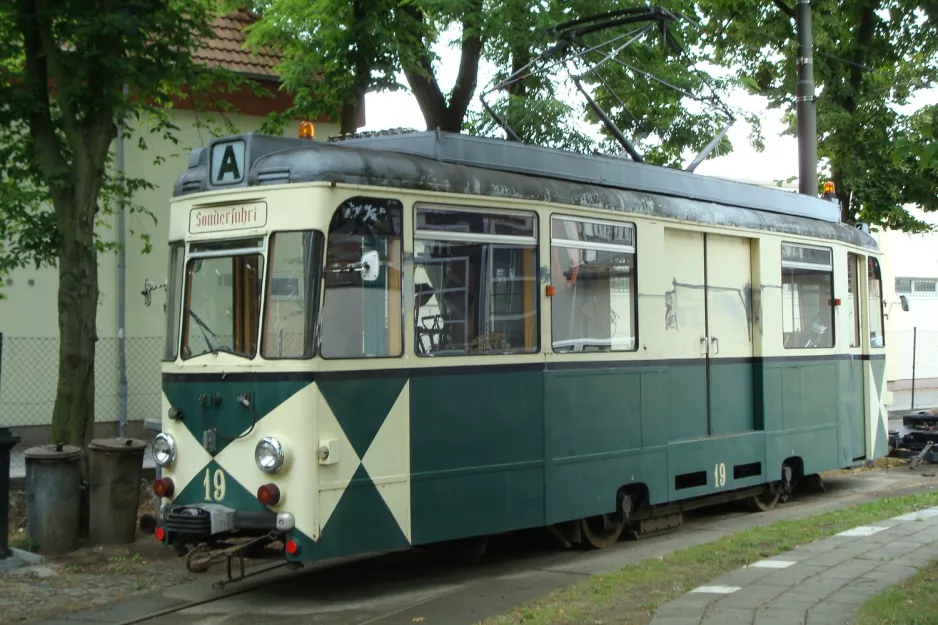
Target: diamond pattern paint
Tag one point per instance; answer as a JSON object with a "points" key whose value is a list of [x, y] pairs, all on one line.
{"points": [[387, 461], [297, 437]]}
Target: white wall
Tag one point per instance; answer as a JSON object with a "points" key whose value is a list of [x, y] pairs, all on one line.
{"points": [[911, 256]]}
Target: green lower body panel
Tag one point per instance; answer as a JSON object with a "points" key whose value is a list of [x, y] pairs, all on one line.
{"points": [[507, 448]]}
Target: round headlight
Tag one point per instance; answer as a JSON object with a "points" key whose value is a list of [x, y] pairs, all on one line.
{"points": [[269, 455], [164, 449]]}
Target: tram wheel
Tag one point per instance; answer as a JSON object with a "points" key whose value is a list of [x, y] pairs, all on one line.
{"points": [[601, 531], [764, 501]]}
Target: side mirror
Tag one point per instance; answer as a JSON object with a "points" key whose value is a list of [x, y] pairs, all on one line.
{"points": [[370, 266], [904, 301], [148, 288]]}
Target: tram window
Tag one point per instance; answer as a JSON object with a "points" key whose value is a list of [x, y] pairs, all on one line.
{"points": [[177, 266], [875, 276], [223, 299], [592, 267], [853, 298], [807, 296], [361, 318], [475, 282], [293, 275]]}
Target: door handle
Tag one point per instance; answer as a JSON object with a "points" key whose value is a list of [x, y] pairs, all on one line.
{"points": [[703, 346], [715, 341]]}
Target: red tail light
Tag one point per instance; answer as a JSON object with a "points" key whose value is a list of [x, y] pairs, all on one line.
{"points": [[268, 494], [163, 487], [293, 547], [160, 534]]}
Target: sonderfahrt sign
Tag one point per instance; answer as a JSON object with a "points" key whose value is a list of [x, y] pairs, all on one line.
{"points": [[232, 217]]}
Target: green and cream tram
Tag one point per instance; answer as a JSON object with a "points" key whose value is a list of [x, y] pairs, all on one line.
{"points": [[427, 339]]}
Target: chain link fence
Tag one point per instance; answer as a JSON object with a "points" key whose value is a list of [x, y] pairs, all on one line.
{"points": [[29, 374], [912, 369]]}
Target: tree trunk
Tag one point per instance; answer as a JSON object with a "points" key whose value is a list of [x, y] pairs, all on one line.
{"points": [[350, 115], [843, 196], [520, 57], [73, 415]]}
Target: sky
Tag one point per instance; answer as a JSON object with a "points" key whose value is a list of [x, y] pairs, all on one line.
{"points": [[779, 159]]}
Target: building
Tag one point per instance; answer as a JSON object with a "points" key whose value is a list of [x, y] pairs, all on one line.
{"points": [[29, 315], [911, 270]]}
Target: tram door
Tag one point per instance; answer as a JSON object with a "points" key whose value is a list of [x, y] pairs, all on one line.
{"points": [[709, 321]]}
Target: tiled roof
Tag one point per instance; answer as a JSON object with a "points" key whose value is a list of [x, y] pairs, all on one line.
{"points": [[228, 50]]}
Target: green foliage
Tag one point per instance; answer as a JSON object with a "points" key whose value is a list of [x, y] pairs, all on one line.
{"points": [[64, 66], [870, 58], [334, 50], [323, 38]]}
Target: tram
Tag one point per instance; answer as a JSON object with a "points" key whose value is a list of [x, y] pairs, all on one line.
{"points": [[423, 339]]}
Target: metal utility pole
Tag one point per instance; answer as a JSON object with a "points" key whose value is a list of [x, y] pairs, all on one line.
{"points": [[805, 107]]}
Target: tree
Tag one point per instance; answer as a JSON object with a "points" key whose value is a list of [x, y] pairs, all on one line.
{"points": [[397, 38], [870, 58], [71, 71]]}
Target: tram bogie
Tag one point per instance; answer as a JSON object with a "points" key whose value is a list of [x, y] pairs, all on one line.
{"points": [[372, 349]]}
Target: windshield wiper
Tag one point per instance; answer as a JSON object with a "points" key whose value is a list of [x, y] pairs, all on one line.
{"points": [[204, 327]]}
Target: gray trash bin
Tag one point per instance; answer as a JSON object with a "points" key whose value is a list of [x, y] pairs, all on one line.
{"points": [[115, 470], [53, 497]]}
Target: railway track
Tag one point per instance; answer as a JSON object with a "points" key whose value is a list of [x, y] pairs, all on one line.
{"points": [[513, 552]]}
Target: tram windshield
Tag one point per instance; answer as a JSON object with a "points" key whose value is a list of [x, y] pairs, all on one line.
{"points": [[224, 285]]}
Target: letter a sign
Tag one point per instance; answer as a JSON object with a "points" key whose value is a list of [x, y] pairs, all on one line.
{"points": [[228, 162]]}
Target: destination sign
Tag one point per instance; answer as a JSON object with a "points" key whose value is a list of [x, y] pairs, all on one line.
{"points": [[232, 217]]}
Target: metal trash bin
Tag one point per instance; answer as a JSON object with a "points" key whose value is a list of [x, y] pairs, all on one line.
{"points": [[115, 471], [7, 442], [53, 497]]}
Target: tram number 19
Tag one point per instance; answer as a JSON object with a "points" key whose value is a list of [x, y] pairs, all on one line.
{"points": [[214, 484], [719, 474]]}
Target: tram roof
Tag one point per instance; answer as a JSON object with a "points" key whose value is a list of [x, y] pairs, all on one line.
{"points": [[457, 163]]}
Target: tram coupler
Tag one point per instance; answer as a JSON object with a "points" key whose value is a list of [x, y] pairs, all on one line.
{"points": [[919, 458], [200, 559]]}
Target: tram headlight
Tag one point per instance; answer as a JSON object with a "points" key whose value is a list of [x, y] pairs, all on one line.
{"points": [[164, 449], [269, 455]]}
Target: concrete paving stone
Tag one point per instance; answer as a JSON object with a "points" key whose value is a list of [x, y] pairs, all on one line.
{"points": [[832, 558], [792, 599], [829, 613], [849, 597], [900, 570], [779, 616], [870, 587], [730, 616], [916, 559], [750, 597], [851, 569], [793, 575], [897, 548], [741, 577], [820, 588]]}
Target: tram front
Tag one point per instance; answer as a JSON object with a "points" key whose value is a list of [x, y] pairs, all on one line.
{"points": [[238, 449]]}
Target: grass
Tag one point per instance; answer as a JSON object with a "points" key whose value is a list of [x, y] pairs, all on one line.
{"points": [[631, 595], [913, 602]]}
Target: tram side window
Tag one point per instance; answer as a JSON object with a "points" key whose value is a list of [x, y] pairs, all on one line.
{"points": [[177, 265], [592, 267], [475, 282], [293, 275], [875, 276], [807, 296], [362, 305]]}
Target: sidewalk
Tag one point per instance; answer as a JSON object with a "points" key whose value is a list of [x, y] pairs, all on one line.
{"points": [[822, 583]]}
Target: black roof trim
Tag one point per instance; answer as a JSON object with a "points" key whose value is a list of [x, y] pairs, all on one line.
{"points": [[392, 161]]}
